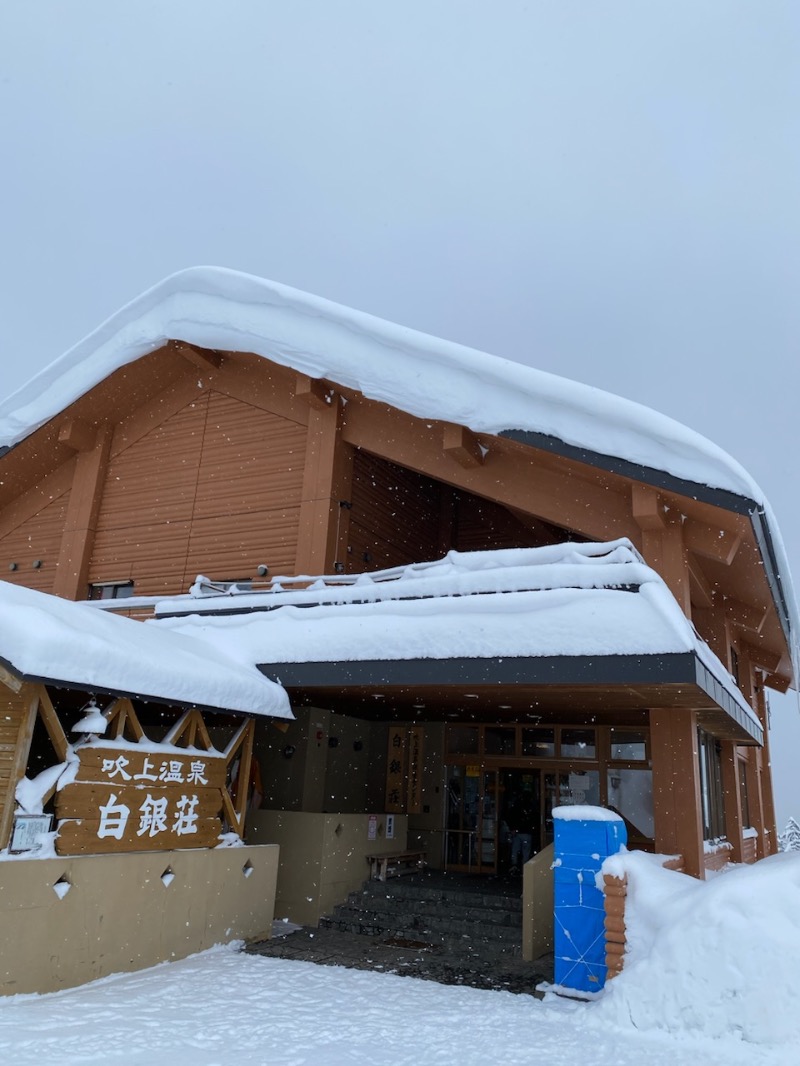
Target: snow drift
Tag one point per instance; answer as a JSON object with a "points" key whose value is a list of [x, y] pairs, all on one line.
{"points": [[714, 958]]}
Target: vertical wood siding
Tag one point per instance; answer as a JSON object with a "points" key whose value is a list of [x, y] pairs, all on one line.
{"points": [[397, 518], [394, 519], [482, 524], [214, 489]]}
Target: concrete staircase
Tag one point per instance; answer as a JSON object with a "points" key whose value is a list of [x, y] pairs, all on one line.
{"points": [[468, 917]]}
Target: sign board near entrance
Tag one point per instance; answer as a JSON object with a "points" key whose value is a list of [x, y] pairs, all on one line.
{"points": [[151, 800]]}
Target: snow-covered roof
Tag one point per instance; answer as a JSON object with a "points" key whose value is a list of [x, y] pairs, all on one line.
{"points": [[46, 638], [560, 600], [422, 375]]}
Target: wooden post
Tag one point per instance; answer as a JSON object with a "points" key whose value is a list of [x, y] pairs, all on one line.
{"points": [[767, 796], [662, 543], [19, 715], [676, 787], [327, 480], [753, 771], [732, 800], [77, 541]]}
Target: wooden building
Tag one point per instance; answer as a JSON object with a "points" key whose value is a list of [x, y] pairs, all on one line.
{"points": [[281, 446]]}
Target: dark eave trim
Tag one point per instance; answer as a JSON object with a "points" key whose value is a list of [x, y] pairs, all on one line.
{"points": [[730, 501], [660, 479], [667, 669]]}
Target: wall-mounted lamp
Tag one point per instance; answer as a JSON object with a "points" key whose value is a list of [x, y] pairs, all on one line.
{"points": [[289, 751], [262, 570], [93, 720]]}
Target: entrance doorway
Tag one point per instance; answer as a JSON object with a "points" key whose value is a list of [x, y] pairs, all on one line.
{"points": [[471, 831], [487, 808]]}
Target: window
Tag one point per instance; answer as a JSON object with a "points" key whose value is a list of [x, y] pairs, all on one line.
{"points": [[577, 744], [499, 740], [628, 745], [111, 590], [462, 740], [630, 793], [539, 743], [711, 786]]}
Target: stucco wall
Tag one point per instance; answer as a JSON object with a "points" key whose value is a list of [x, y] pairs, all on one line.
{"points": [[323, 856], [118, 914]]}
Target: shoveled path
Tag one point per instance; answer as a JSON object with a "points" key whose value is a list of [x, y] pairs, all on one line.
{"points": [[331, 947]]}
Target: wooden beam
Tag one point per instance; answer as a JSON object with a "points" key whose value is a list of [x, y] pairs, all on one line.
{"points": [[711, 542], [761, 657], [23, 708], [562, 492], [121, 713], [701, 592], [10, 680], [325, 503], [314, 391], [203, 358], [461, 444], [52, 723], [77, 541], [746, 615], [647, 507], [676, 787], [78, 435], [245, 761], [731, 800]]}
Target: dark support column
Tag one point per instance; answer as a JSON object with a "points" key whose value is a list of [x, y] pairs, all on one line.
{"points": [[676, 787]]}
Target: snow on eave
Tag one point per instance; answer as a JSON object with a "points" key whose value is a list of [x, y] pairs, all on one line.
{"points": [[45, 638], [425, 376]]}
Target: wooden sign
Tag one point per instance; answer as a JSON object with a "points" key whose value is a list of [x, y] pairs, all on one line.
{"points": [[415, 736], [396, 771], [151, 800], [404, 770]]}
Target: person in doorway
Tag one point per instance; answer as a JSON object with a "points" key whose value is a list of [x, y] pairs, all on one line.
{"points": [[520, 817]]}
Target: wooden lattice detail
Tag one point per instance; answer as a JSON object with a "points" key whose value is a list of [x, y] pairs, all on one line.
{"points": [[241, 745], [55, 730], [121, 718], [190, 732]]}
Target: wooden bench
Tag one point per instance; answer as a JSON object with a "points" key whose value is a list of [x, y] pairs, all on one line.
{"points": [[395, 863]]}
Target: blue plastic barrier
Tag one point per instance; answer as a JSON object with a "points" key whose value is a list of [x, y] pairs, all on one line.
{"points": [[581, 845]]}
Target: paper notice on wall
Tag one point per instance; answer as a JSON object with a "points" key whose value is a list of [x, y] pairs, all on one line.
{"points": [[372, 827]]}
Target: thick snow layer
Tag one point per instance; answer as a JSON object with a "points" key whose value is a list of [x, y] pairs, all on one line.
{"points": [[420, 374], [560, 600], [226, 1009], [46, 637], [581, 812], [714, 958], [563, 599]]}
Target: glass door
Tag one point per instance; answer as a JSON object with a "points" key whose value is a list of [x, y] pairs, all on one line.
{"points": [[471, 828]]}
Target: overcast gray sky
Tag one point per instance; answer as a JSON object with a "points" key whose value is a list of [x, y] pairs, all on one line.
{"points": [[605, 190]]}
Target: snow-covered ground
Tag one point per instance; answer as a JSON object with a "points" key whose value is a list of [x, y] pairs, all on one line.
{"points": [[228, 1009], [711, 977]]}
